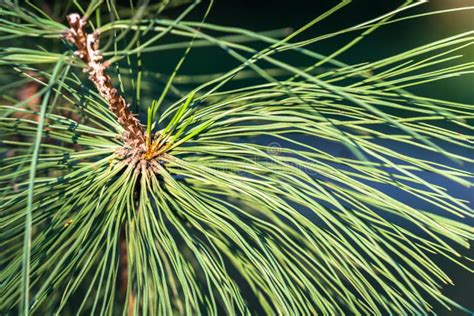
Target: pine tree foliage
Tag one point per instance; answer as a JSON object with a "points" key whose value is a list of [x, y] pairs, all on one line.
{"points": [[191, 212]]}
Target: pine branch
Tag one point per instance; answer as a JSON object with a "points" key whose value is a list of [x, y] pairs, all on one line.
{"points": [[297, 226], [88, 50]]}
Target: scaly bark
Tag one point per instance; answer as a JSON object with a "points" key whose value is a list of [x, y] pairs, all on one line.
{"points": [[88, 50]]}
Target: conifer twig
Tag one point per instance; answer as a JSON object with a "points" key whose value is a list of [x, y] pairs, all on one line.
{"points": [[88, 50]]}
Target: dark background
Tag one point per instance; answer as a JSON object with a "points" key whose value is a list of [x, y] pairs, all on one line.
{"points": [[273, 14]]}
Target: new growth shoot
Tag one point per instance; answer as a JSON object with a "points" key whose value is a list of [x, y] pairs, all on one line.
{"points": [[164, 139]]}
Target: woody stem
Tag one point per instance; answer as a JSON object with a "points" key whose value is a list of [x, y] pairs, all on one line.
{"points": [[88, 50]]}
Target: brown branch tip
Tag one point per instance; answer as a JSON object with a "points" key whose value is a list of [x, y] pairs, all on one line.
{"points": [[88, 50]]}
